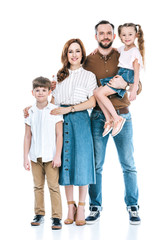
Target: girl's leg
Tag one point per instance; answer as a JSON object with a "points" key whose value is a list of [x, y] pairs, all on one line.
{"points": [[82, 198], [102, 96]]}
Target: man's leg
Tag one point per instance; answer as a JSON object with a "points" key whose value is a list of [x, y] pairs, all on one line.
{"points": [[95, 190], [124, 144]]}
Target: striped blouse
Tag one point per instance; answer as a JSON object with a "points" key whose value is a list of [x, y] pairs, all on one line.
{"points": [[76, 88]]}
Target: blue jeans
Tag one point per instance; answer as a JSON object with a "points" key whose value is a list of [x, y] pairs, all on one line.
{"points": [[124, 145]]}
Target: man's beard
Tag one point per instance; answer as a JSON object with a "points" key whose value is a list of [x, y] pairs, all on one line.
{"points": [[105, 46]]}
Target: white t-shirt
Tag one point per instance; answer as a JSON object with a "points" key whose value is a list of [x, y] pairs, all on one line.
{"points": [[127, 58], [76, 88], [43, 126]]}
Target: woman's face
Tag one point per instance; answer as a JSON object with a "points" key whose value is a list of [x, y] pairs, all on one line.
{"points": [[74, 55]]}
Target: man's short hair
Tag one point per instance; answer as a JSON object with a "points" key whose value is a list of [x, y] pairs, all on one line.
{"points": [[103, 22], [41, 82]]}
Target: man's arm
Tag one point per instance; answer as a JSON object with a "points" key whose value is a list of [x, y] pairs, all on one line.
{"points": [[119, 83]]}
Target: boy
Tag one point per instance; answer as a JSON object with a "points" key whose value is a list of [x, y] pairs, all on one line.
{"points": [[43, 143]]}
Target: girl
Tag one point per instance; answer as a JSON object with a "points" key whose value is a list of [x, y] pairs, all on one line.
{"points": [[74, 92], [130, 61]]}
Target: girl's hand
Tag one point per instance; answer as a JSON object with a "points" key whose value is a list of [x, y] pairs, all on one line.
{"points": [[56, 162], [60, 111], [25, 111], [94, 52]]}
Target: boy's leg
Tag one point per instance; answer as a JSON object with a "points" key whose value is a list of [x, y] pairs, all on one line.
{"points": [[52, 175], [38, 179]]}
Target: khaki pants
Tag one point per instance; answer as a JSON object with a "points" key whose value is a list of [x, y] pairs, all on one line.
{"points": [[39, 170]]}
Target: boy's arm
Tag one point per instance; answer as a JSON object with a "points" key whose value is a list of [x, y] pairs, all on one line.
{"points": [[59, 142], [27, 144]]}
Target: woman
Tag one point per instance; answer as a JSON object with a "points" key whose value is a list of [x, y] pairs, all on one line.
{"points": [[74, 92]]}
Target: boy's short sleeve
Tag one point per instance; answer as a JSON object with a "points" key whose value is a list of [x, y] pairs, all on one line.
{"points": [[58, 118]]}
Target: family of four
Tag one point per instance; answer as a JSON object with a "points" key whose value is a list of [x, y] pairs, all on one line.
{"points": [[65, 144]]}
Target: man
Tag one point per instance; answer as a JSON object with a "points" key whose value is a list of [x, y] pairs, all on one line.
{"points": [[104, 64]]}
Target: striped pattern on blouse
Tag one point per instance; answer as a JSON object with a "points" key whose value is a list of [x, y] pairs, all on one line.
{"points": [[76, 88]]}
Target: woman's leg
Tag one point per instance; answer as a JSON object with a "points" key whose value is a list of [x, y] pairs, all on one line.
{"points": [[70, 201], [82, 198]]}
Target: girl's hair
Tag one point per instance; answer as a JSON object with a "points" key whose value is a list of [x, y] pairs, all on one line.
{"points": [[139, 32], [63, 72]]}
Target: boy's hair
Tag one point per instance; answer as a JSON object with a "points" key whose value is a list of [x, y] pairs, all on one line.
{"points": [[41, 82], [103, 22]]}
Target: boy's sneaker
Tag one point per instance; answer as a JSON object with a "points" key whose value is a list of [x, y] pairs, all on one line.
{"points": [[93, 216], [56, 224], [38, 219], [133, 215]]}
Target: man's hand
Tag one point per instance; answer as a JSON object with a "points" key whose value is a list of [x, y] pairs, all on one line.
{"points": [[117, 82]]}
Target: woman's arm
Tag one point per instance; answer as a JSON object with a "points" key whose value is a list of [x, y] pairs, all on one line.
{"points": [[90, 103]]}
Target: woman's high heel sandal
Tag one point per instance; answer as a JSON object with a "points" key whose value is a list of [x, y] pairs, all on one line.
{"points": [[68, 220], [80, 222]]}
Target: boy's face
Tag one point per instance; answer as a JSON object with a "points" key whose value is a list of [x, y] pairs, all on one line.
{"points": [[41, 94]]}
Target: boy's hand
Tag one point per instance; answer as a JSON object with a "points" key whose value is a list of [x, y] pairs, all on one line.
{"points": [[56, 162], [27, 164], [25, 111]]}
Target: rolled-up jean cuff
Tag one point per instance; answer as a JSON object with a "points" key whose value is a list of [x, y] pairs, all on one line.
{"points": [[99, 208]]}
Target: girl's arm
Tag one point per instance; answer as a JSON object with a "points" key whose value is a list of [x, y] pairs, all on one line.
{"points": [[27, 144], [134, 88], [90, 103], [59, 141]]}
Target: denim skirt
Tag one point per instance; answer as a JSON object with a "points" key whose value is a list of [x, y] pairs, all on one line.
{"points": [[78, 166], [128, 76]]}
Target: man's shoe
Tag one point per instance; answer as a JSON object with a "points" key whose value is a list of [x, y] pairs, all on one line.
{"points": [[134, 219], [56, 224], [93, 216], [38, 219]]}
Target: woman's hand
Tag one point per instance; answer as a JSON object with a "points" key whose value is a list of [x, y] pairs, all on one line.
{"points": [[60, 111], [25, 111], [94, 52]]}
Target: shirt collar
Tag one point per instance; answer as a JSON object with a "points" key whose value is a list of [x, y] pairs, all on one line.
{"points": [[106, 57], [34, 107], [75, 71]]}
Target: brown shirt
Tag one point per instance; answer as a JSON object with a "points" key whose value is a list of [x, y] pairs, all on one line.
{"points": [[106, 66]]}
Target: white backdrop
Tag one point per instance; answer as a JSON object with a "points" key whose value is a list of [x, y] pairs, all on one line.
{"points": [[33, 33]]}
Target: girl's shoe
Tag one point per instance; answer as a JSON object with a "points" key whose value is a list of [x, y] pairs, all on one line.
{"points": [[80, 222], [108, 126], [118, 125], [68, 220]]}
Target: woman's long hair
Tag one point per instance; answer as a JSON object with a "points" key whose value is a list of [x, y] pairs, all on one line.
{"points": [[63, 72], [140, 36]]}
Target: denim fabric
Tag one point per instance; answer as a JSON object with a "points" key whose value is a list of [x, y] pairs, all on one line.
{"points": [[78, 167], [124, 145], [128, 76]]}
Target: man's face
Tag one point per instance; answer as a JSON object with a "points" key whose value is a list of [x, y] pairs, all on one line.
{"points": [[105, 35]]}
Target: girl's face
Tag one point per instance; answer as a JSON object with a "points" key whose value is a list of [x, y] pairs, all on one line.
{"points": [[128, 35], [74, 55]]}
